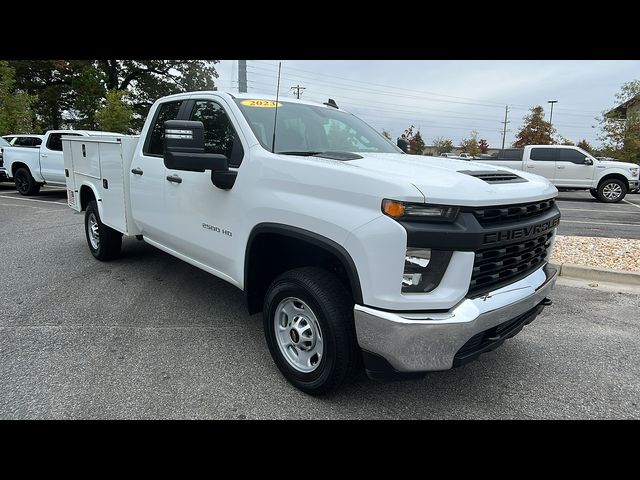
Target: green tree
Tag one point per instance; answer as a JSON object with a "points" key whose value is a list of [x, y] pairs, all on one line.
{"points": [[534, 131], [442, 145], [70, 91], [416, 144], [620, 135], [147, 80], [115, 115], [88, 92], [16, 115], [470, 145], [583, 144], [483, 145]]}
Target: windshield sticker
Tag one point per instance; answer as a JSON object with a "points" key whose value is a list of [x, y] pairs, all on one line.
{"points": [[261, 103]]}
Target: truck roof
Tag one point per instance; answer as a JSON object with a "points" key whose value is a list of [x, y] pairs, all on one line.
{"points": [[256, 96]]}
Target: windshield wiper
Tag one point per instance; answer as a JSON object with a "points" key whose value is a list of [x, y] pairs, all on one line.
{"points": [[301, 153]]}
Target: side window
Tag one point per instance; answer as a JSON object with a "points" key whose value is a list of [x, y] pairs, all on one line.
{"points": [[55, 142], [570, 155], [21, 142], [166, 111], [542, 154], [37, 141], [513, 154], [219, 135]]}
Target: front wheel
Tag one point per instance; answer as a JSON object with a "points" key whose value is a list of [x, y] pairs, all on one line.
{"points": [[25, 183], [104, 242], [309, 328], [612, 190]]}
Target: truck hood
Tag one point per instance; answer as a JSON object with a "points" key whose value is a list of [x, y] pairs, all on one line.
{"points": [[614, 164], [440, 179]]}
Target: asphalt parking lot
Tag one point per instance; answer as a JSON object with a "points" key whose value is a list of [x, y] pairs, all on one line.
{"points": [[149, 336], [583, 215]]}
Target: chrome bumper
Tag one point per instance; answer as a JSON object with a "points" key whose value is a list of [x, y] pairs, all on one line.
{"points": [[426, 341]]}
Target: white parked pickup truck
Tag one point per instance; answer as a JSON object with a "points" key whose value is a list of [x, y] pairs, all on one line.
{"points": [[570, 167], [353, 251], [33, 167]]}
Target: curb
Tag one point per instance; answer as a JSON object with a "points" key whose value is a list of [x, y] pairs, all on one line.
{"points": [[599, 274]]}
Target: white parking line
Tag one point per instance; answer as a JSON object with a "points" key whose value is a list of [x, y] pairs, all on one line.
{"points": [[33, 200], [631, 203], [602, 223], [625, 212]]}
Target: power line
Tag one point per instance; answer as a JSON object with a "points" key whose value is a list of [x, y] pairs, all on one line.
{"points": [[297, 88], [504, 130]]}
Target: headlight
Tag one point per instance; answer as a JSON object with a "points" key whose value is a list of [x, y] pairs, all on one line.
{"points": [[634, 171], [423, 269], [419, 211]]}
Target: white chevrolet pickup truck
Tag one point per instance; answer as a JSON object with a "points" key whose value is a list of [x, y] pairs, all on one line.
{"points": [[30, 168], [354, 252], [573, 168]]}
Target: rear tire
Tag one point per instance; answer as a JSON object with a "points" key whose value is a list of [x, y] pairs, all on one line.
{"points": [[612, 190], [309, 328], [104, 242], [25, 183]]}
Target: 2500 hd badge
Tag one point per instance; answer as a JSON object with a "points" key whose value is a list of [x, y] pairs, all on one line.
{"points": [[206, 226]]}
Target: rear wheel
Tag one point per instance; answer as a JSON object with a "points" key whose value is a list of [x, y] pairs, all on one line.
{"points": [[309, 328], [104, 242], [25, 183], [612, 190]]}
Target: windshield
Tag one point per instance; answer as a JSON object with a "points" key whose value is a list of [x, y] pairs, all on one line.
{"points": [[310, 129]]}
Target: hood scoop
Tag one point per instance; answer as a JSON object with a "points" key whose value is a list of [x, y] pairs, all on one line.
{"points": [[342, 156], [494, 176]]}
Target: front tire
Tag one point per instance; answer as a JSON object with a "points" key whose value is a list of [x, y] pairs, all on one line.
{"points": [[612, 190], [104, 242], [25, 183], [309, 329]]}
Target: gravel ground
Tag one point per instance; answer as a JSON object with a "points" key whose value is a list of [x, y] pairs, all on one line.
{"points": [[613, 253]]}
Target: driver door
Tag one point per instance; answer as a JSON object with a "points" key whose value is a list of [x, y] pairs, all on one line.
{"points": [[204, 217], [571, 169]]}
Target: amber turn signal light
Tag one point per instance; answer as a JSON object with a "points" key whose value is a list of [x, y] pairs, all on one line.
{"points": [[392, 208]]}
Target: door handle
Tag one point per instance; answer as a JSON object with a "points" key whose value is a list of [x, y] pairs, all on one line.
{"points": [[174, 179], [136, 171], [44, 155], [559, 166], [531, 166]]}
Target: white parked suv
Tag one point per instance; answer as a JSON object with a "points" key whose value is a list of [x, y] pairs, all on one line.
{"points": [[354, 251], [570, 167]]}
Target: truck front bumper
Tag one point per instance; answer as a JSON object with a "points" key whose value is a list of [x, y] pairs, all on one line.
{"points": [[396, 343], [3, 175], [633, 185]]}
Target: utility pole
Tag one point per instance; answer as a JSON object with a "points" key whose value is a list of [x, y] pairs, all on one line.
{"points": [[504, 130], [297, 88], [551, 115], [242, 76]]}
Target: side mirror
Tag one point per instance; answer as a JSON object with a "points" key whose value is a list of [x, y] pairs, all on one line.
{"points": [[588, 161], [184, 150]]}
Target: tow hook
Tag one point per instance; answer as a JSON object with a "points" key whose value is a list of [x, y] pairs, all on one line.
{"points": [[546, 302]]}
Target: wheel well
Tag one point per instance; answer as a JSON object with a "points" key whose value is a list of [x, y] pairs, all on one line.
{"points": [[15, 166], [271, 253], [86, 195], [617, 176]]}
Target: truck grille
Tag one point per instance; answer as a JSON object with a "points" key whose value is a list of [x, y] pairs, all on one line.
{"points": [[497, 266], [510, 213]]}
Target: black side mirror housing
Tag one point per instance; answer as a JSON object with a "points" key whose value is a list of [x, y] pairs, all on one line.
{"points": [[588, 161], [184, 150]]}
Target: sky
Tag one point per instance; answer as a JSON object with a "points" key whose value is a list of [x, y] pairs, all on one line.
{"points": [[450, 98]]}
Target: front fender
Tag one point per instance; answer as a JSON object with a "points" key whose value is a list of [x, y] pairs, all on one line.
{"points": [[613, 171]]}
